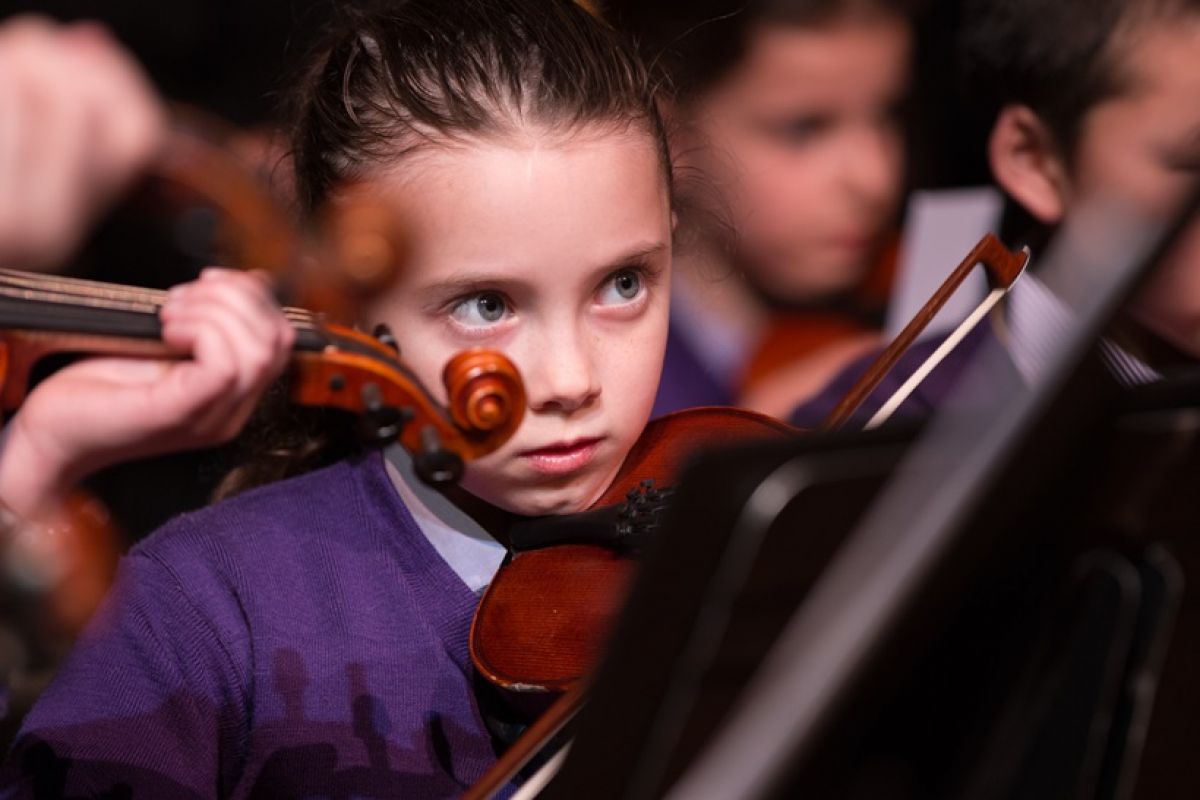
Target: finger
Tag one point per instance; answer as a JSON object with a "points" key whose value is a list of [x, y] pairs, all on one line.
{"points": [[221, 345], [257, 357], [239, 342], [107, 371], [244, 295]]}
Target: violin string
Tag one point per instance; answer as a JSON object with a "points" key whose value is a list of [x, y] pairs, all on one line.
{"points": [[75, 286], [91, 290], [96, 294], [73, 299]]}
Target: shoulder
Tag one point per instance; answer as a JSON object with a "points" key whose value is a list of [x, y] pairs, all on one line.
{"points": [[335, 503]]}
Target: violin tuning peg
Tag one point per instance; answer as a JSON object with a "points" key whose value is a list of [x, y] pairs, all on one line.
{"points": [[385, 336], [435, 464], [384, 425], [381, 423]]}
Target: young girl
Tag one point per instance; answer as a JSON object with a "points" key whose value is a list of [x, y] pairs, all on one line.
{"points": [[788, 113], [310, 637]]}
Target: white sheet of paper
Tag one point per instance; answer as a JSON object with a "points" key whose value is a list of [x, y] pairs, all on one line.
{"points": [[941, 228]]}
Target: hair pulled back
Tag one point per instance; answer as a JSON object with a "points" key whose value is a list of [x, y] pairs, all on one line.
{"points": [[395, 77]]}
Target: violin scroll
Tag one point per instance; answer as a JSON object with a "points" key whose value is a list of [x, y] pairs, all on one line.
{"points": [[484, 391]]}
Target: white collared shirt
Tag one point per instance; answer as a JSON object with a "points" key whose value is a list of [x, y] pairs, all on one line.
{"points": [[471, 552], [1036, 321]]}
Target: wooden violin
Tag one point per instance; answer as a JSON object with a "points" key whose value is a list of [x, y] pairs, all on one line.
{"points": [[543, 619], [331, 366]]}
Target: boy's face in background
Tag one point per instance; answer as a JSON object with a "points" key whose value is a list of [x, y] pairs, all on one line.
{"points": [[1139, 147], [1144, 147], [803, 142]]}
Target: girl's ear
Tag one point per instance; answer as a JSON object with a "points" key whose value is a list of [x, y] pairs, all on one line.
{"points": [[1028, 164]]}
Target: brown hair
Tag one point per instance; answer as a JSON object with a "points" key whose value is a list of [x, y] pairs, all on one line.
{"points": [[1061, 59], [398, 76]]}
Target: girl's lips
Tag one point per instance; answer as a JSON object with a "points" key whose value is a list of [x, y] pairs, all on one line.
{"points": [[562, 458]]}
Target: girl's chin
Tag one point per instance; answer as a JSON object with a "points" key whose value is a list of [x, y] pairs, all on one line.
{"points": [[538, 501], [540, 504]]}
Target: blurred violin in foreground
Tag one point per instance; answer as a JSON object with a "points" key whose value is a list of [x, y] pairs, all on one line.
{"points": [[331, 366]]}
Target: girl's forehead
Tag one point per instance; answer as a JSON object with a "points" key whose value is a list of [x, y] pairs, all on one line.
{"points": [[531, 204]]}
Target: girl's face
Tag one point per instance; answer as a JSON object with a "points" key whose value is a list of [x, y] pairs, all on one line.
{"points": [[556, 251], [803, 140]]}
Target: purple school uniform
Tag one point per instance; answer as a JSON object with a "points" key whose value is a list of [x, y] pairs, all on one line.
{"points": [[686, 382], [303, 639]]}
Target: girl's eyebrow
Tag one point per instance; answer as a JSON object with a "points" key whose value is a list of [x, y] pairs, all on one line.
{"points": [[634, 255], [467, 283]]}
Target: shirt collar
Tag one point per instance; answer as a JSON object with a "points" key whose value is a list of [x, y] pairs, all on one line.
{"points": [[1037, 319], [463, 544]]}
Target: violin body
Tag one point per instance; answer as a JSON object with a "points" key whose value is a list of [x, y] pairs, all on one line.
{"points": [[542, 622]]}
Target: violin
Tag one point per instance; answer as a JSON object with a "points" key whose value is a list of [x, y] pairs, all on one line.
{"points": [[543, 619], [54, 570], [331, 365]]}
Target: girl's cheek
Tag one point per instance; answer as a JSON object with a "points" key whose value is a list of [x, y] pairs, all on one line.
{"points": [[425, 348], [476, 335]]}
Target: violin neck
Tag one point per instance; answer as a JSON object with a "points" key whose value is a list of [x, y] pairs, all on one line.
{"points": [[56, 304]]}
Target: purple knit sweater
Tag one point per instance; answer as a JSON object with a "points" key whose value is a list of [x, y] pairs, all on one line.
{"points": [[302, 640]]}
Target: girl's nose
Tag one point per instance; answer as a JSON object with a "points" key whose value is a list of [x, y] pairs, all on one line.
{"points": [[564, 379]]}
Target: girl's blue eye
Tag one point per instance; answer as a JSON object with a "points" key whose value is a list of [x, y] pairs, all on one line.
{"points": [[480, 310], [622, 287]]}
